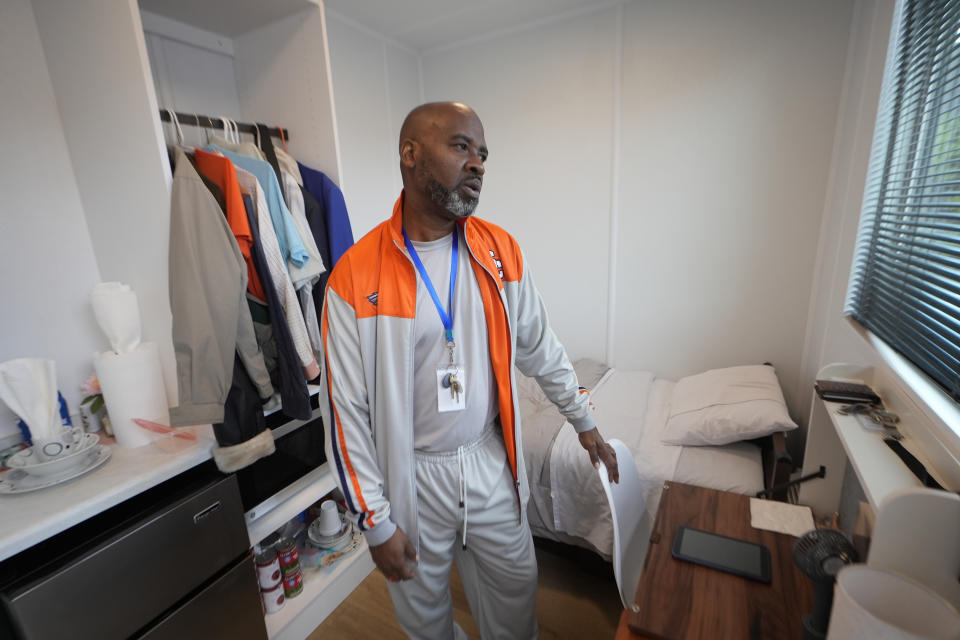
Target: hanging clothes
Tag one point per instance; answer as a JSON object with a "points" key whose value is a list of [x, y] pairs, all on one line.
{"points": [[318, 226], [288, 164], [212, 186], [328, 194], [305, 275], [211, 320], [266, 146], [287, 235], [288, 378], [290, 303], [248, 149], [220, 170], [243, 436]]}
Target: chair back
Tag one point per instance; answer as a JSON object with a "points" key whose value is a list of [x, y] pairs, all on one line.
{"points": [[626, 500]]}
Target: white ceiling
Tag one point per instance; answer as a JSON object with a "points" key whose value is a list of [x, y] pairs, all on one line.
{"points": [[427, 24]]}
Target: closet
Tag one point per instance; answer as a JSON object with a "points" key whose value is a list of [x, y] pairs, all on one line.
{"points": [[113, 65]]}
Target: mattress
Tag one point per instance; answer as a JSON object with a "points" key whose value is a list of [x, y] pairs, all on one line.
{"points": [[567, 502]]}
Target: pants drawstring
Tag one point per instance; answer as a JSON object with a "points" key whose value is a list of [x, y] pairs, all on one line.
{"points": [[463, 494]]}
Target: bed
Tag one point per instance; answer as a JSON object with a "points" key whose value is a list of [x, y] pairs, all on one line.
{"points": [[567, 503]]}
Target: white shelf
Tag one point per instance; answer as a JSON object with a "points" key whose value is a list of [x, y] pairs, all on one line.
{"points": [[269, 516], [323, 591], [835, 440], [879, 469]]}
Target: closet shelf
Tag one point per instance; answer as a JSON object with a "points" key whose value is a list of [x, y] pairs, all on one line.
{"points": [[297, 496]]}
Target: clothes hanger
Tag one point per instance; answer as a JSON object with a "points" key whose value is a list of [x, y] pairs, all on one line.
{"points": [[179, 130], [206, 130], [283, 139], [226, 128]]}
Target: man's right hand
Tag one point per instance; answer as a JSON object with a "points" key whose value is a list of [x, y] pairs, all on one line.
{"points": [[395, 557]]}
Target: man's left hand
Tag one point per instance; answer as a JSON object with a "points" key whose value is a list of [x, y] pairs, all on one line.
{"points": [[599, 451]]}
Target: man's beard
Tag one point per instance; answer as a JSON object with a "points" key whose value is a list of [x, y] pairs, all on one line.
{"points": [[452, 201]]}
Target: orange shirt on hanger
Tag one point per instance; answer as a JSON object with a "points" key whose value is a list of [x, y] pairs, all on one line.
{"points": [[220, 170]]}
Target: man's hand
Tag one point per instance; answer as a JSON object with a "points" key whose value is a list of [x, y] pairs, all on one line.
{"points": [[599, 450], [395, 557]]}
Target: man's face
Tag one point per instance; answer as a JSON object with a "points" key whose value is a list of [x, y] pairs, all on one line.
{"points": [[450, 168]]}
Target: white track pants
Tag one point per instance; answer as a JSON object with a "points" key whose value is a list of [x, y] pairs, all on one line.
{"points": [[498, 567]]}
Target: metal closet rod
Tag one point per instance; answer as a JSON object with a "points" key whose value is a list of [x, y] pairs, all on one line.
{"points": [[217, 123]]}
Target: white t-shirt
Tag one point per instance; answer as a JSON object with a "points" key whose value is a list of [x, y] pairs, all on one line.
{"points": [[434, 431]]}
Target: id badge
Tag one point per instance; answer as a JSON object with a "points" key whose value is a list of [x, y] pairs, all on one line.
{"points": [[451, 388]]}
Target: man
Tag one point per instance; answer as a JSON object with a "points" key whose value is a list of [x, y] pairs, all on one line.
{"points": [[424, 320]]}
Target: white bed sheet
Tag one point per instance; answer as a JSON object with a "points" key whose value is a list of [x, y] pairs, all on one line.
{"points": [[631, 406], [567, 502]]}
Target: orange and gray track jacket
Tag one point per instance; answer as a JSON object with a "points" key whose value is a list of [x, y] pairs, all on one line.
{"points": [[368, 336]]}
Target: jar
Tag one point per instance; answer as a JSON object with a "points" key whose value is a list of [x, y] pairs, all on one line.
{"points": [[268, 569], [288, 555], [273, 599], [293, 583]]}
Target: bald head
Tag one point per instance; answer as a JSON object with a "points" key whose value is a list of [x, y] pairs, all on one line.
{"points": [[430, 118]]}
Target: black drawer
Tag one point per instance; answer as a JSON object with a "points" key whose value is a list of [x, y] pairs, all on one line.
{"points": [[227, 608], [136, 570]]}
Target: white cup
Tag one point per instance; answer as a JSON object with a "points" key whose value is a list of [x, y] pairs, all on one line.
{"points": [[62, 443], [330, 523]]}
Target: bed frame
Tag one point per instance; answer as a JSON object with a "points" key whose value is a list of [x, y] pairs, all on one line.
{"points": [[777, 464]]}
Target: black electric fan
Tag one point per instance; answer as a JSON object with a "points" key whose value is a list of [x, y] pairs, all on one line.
{"points": [[820, 554]]}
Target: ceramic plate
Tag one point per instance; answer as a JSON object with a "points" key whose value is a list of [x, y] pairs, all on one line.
{"points": [[329, 542], [80, 454], [19, 481]]}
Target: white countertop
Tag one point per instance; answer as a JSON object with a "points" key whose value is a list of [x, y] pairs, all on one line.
{"points": [[29, 518]]}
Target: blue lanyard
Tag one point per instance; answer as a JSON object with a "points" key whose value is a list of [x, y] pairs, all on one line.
{"points": [[446, 318]]}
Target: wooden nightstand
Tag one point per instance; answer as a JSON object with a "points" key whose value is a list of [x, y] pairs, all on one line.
{"points": [[677, 599]]}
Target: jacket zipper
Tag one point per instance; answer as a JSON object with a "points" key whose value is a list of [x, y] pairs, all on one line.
{"points": [[516, 481], [413, 467]]}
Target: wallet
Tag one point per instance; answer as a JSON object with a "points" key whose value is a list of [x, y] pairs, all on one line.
{"points": [[843, 391]]}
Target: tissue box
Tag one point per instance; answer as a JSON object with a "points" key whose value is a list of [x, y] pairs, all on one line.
{"points": [[64, 420]]}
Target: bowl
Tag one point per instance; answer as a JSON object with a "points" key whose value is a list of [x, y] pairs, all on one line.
{"points": [[28, 461]]}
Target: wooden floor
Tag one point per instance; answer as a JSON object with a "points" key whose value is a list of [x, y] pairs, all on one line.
{"points": [[573, 602]]}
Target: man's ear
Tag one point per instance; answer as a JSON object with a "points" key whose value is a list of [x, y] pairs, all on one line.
{"points": [[408, 153]]}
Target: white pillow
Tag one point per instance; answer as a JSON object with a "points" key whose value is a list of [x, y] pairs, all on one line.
{"points": [[726, 405]]}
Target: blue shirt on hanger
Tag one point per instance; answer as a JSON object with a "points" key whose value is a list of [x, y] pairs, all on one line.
{"points": [[291, 246], [328, 194]]}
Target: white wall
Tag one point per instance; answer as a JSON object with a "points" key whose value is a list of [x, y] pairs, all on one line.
{"points": [[46, 254], [191, 79], [546, 99], [97, 61], [723, 114], [376, 83], [830, 338], [729, 115]]}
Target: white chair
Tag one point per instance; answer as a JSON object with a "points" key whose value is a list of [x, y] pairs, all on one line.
{"points": [[627, 509]]}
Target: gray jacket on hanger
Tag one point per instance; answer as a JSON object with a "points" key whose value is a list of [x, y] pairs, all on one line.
{"points": [[211, 319]]}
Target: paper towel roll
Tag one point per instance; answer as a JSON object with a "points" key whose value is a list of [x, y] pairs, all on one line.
{"points": [[876, 604], [132, 385]]}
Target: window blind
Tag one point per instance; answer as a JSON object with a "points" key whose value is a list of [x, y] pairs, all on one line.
{"points": [[905, 281]]}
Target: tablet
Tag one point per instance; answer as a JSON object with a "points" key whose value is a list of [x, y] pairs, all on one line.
{"points": [[739, 557]]}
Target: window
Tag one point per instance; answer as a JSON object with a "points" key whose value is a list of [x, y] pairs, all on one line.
{"points": [[905, 283]]}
